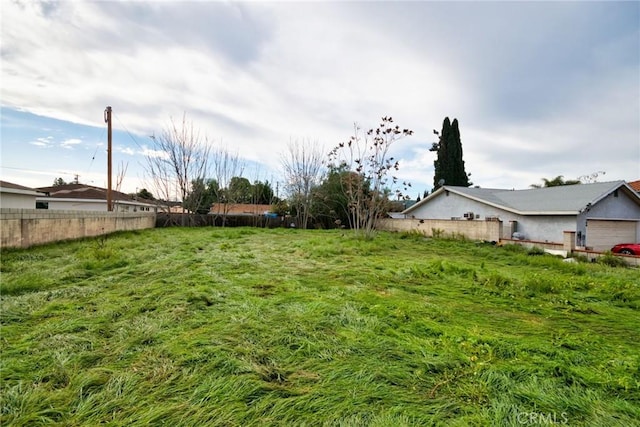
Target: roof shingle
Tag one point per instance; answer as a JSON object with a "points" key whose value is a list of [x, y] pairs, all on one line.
{"points": [[564, 199]]}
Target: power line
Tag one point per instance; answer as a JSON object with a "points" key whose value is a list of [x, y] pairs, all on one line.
{"points": [[93, 157], [96, 150], [128, 133], [38, 171]]}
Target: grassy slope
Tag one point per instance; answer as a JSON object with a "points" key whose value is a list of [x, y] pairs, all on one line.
{"points": [[281, 327]]}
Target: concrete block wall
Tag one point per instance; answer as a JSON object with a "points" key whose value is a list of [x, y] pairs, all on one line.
{"points": [[22, 228], [470, 229]]}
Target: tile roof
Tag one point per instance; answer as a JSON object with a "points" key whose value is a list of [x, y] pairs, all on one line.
{"points": [[82, 191], [88, 192]]}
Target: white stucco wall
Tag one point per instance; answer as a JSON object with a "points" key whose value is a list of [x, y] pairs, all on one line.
{"points": [[94, 205], [547, 228], [453, 205], [17, 201], [539, 228], [615, 207], [76, 205]]}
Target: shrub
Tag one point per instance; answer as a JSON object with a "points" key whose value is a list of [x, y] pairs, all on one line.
{"points": [[535, 250], [437, 233], [611, 260], [539, 285], [512, 247], [412, 235]]}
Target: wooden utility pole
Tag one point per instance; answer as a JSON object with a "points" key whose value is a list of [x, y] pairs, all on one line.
{"points": [[107, 119]]}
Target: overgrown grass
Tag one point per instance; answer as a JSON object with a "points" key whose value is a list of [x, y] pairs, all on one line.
{"points": [[287, 327]]}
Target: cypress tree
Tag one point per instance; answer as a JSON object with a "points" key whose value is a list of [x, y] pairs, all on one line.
{"points": [[441, 162], [449, 166]]}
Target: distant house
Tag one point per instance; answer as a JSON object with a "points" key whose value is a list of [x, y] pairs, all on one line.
{"points": [[239, 209], [635, 185], [16, 196], [81, 197], [176, 208], [399, 206], [601, 214]]}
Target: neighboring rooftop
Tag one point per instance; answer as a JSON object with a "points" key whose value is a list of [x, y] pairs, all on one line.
{"points": [[240, 209], [82, 191], [564, 199], [16, 188]]}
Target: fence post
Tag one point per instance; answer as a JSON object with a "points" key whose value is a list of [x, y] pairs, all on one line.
{"points": [[569, 241]]}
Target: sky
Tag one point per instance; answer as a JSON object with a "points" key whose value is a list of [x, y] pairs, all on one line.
{"points": [[540, 89]]}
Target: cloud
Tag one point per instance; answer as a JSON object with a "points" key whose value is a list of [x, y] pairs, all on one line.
{"points": [[540, 88], [46, 141], [69, 143], [147, 152], [126, 150]]}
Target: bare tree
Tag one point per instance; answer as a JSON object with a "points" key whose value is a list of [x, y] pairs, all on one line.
{"points": [[122, 171], [366, 185], [178, 157], [302, 164], [591, 177], [226, 166]]}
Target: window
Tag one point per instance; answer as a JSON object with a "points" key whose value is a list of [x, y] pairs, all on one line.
{"points": [[42, 205]]}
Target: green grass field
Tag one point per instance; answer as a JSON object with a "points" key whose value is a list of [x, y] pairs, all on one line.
{"points": [[253, 327]]}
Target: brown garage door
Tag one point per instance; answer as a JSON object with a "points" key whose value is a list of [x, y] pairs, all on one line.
{"points": [[603, 234]]}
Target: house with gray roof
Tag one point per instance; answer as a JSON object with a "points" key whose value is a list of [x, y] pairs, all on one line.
{"points": [[601, 214]]}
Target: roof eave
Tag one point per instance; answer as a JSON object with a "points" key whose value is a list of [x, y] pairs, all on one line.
{"points": [[22, 192], [118, 202], [423, 201], [547, 213], [462, 194], [617, 185], [62, 199]]}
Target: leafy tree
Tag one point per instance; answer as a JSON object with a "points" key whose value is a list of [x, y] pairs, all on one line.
{"points": [[280, 207], [556, 182], [145, 194], [213, 191], [58, 182], [202, 196], [366, 158], [205, 193], [262, 193], [330, 204], [239, 190], [449, 166]]}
